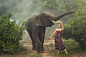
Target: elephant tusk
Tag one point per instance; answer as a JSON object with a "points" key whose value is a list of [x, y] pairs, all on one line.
{"points": [[57, 21]]}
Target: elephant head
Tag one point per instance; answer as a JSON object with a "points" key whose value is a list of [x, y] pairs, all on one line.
{"points": [[45, 19]]}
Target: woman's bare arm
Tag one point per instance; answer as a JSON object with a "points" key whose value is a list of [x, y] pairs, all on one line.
{"points": [[53, 33], [62, 26]]}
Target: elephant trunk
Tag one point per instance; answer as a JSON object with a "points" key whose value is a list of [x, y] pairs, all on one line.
{"points": [[60, 16]]}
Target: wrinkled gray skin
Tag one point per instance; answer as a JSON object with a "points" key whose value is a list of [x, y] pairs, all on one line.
{"points": [[36, 27]]}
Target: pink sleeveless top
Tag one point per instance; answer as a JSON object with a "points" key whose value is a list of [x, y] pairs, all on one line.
{"points": [[59, 32]]}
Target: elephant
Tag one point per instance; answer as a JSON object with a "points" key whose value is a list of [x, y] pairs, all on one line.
{"points": [[36, 27]]}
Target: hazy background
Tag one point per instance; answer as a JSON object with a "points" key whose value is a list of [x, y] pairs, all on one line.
{"points": [[24, 9]]}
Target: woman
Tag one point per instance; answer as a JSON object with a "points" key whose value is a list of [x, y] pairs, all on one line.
{"points": [[58, 41]]}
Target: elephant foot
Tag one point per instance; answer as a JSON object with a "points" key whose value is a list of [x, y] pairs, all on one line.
{"points": [[34, 48], [40, 51], [43, 49]]}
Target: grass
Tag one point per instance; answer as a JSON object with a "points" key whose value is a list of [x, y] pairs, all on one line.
{"points": [[50, 45], [71, 46], [34, 55]]}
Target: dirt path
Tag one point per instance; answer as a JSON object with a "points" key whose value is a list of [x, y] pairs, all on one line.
{"points": [[33, 52], [49, 50]]}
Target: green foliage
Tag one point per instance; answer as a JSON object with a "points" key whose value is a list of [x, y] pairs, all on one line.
{"points": [[51, 44], [72, 48], [23, 9], [59, 5], [10, 34], [54, 5], [76, 26], [51, 3]]}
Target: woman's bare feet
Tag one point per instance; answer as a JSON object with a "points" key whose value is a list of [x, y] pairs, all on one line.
{"points": [[65, 51], [58, 51]]}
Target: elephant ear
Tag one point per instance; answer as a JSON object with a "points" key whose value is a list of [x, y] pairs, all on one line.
{"points": [[38, 22]]}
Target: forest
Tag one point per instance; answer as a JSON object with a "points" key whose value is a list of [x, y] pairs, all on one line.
{"points": [[15, 13]]}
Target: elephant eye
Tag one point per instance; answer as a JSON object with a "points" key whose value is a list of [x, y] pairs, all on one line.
{"points": [[47, 17]]}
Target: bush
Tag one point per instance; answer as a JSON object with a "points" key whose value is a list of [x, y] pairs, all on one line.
{"points": [[10, 34], [76, 27]]}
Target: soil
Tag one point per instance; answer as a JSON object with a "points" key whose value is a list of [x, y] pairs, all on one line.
{"points": [[48, 50]]}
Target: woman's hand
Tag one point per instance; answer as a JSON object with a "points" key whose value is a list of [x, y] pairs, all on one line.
{"points": [[49, 38], [61, 23]]}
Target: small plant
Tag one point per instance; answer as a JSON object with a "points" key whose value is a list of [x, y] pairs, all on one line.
{"points": [[76, 27], [10, 34], [51, 44]]}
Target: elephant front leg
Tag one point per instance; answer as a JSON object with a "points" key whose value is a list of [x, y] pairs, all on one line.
{"points": [[39, 50], [39, 44], [34, 45], [42, 41]]}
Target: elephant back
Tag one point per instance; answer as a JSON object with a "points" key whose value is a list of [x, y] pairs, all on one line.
{"points": [[33, 17]]}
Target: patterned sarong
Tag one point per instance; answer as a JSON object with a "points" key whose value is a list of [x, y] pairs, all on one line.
{"points": [[58, 43]]}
